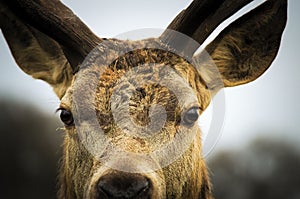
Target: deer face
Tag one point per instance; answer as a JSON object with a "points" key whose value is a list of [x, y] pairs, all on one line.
{"points": [[136, 120], [130, 108]]}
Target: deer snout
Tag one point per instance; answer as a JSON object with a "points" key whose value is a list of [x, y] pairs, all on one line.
{"points": [[117, 185]]}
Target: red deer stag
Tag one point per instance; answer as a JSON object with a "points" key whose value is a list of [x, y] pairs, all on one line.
{"points": [[130, 108]]}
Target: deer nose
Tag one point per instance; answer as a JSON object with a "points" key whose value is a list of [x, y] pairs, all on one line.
{"points": [[121, 185]]}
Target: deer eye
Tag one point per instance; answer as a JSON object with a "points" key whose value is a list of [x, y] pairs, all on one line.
{"points": [[191, 116], [66, 117]]}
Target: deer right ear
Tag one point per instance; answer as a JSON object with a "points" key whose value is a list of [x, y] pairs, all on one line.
{"points": [[246, 48], [35, 53]]}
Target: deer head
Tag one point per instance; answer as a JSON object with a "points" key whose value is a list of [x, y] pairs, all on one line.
{"points": [[130, 108]]}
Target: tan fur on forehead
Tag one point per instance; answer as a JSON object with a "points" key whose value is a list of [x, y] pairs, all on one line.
{"points": [[139, 108], [153, 93], [159, 57]]}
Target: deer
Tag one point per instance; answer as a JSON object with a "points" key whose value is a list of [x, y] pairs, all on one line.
{"points": [[130, 108]]}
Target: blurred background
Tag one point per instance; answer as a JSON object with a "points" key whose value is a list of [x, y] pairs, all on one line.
{"points": [[257, 155]]}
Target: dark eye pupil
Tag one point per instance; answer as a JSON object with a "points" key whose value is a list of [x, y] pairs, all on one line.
{"points": [[66, 117], [191, 116]]}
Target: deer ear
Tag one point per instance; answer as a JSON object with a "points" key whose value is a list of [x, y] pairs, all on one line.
{"points": [[245, 49], [35, 53]]}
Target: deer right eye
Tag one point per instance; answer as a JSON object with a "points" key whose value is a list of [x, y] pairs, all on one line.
{"points": [[66, 117], [191, 116]]}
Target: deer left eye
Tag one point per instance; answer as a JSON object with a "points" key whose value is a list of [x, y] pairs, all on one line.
{"points": [[191, 116], [66, 117]]}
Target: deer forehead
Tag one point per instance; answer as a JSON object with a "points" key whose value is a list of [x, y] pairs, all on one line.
{"points": [[144, 77], [132, 86]]}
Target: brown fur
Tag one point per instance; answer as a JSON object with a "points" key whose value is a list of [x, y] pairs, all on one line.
{"points": [[191, 182]]}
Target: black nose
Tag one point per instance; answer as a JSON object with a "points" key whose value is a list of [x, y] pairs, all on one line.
{"points": [[123, 185]]}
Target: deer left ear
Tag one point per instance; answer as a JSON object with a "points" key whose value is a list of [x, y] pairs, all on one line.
{"points": [[245, 49]]}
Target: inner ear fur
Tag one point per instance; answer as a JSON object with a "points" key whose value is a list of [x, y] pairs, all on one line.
{"points": [[246, 48], [35, 53]]}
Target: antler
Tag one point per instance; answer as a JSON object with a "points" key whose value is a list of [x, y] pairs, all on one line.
{"points": [[57, 21], [198, 21]]}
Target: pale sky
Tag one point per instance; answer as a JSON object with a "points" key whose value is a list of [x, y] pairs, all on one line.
{"points": [[268, 107]]}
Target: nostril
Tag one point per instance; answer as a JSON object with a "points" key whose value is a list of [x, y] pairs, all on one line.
{"points": [[124, 185]]}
